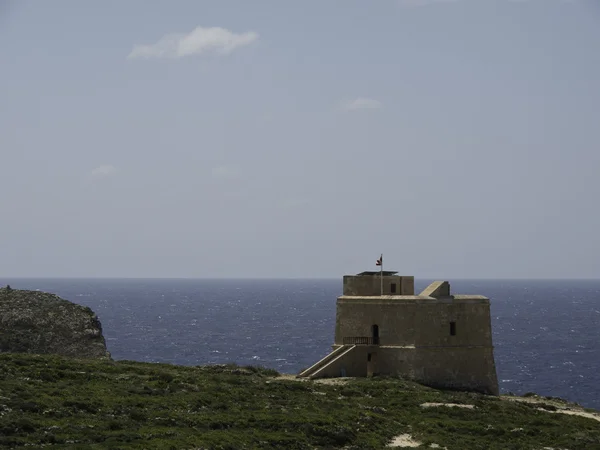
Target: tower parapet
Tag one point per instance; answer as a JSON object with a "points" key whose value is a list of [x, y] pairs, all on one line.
{"points": [[370, 283]]}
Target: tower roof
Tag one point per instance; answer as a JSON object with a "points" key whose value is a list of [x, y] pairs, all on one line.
{"points": [[385, 273]]}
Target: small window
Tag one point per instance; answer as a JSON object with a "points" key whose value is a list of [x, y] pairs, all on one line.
{"points": [[393, 288], [369, 357], [452, 328]]}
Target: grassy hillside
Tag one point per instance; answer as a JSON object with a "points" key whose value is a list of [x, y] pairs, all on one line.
{"points": [[64, 403]]}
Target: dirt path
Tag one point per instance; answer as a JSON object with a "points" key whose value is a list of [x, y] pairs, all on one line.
{"points": [[561, 408], [330, 381]]}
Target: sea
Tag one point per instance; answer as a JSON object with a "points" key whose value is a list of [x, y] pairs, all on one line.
{"points": [[546, 332]]}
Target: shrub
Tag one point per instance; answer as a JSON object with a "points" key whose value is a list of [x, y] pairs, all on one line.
{"points": [[115, 425], [29, 407]]}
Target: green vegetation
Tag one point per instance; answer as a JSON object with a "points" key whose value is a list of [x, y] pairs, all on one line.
{"points": [[59, 402]]}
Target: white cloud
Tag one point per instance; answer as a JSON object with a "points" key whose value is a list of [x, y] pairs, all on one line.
{"points": [[104, 171], [361, 103], [225, 172], [198, 41]]}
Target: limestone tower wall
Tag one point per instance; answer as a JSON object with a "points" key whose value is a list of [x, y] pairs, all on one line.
{"points": [[435, 337]]}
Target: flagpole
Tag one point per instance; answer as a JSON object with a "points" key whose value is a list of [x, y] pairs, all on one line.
{"points": [[381, 277]]}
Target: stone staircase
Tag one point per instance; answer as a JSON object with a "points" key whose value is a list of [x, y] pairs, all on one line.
{"points": [[327, 363]]}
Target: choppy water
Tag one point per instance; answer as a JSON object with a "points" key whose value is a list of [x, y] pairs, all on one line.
{"points": [[546, 333]]}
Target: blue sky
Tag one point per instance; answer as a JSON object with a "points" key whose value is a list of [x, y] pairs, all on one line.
{"points": [[461, 138]]}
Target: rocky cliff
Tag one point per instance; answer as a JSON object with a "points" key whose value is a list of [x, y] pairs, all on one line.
{"points": [[39, 322]]}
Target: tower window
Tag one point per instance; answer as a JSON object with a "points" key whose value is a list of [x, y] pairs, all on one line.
{"points": [[393, 288], [452, 328]]}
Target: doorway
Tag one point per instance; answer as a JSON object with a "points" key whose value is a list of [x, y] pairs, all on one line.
{"points": [[375, 334], [371, 364]]}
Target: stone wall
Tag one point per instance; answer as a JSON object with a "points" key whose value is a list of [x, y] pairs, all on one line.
{"points": [[416, 340], [415, 320], [465, 368]]}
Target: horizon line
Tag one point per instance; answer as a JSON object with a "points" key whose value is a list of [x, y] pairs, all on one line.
{"points": [[288, 278]]}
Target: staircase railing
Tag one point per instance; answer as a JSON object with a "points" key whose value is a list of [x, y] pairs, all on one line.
{"points": [[361, 340]]}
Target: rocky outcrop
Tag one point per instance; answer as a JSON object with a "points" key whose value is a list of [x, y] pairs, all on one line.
{"points": [[43, 323]]}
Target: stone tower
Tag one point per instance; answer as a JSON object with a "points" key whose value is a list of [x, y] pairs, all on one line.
{"points": [[435, 338]]}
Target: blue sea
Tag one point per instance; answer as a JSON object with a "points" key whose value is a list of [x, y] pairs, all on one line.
{"points": [[546, 333]]}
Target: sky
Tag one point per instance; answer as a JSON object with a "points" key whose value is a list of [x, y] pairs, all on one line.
{"points": [[270, 139]]}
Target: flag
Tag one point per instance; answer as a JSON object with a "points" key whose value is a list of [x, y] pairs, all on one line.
{"points": [[379, 261]]}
